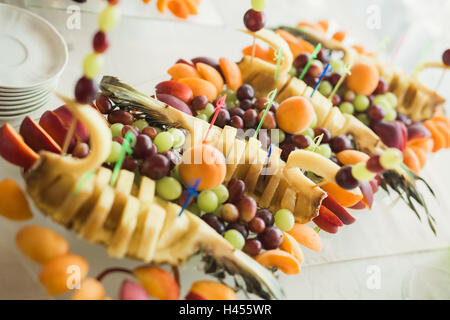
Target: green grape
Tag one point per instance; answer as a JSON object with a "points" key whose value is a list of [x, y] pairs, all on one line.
{"points": [[324, 150], [309, 132], [208, 111], [195, 209], [382, 101], [178, 137], [284, 220], [168, 188], [277, 136], [259, 5], [362, 103], [361, 173], [221, 192], [347, 107], [293, 72], [313, 122], [92, 65], [337, 66], [140, 124], [231, 105], [116, 129], [115, 152], [202, 116], [235, 238], [164, 141], [325, 88], [108, 18], [218, 211], [175, 173], [364, 118], [231, 96], [391, 158], [391, 114], [207, 201], [392, 99]]}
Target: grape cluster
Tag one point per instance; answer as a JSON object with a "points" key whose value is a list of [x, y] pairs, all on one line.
{"points": [[315, 69]]}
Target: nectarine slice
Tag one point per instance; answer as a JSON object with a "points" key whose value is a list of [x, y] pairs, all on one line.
{"points": [[13, 202], [339, 36], [203, 162], [421, 156], [425, 144], [201, 87], [210, 290], [14, 149], [36, 137], [290, 245], [295, 114], [232, 73], [444, 130], [182, 70], [210, 74], [305, 235], [343, 197], [363, 79], [438, 137], [179, 8], [411, 160], [192, 6], [162, 5], [351, 157], [282, 260], [159, 283]]}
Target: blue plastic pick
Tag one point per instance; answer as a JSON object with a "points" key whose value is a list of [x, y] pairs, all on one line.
{"points": [[323, 74], [191, 192]]}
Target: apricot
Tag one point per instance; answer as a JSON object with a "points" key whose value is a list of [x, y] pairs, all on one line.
{"points": [[411, 160], [232, 73], [305, 235], [159, 283], [13, 202], [91, 289], [210, 290], [282, 260], [182, 70], [324, 24], [421, 156], [363, 79], [41, 244], [179, 8], [295, 114], [192, 6], [290, 245], [339, 36], [425, 144], [297, 46], [62, 272], [343, 197], [201, 87], [203, 162], [260, 53], [162, 5], [210, 74], [351, 157], [438, 137], [444, 130]]}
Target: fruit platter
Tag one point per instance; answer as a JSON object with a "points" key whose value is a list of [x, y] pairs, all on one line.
{"points": [[243, 164]]}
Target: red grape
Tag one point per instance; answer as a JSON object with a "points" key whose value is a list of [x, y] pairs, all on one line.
{"points": [[229, 213], [252, 247], [345, 179], [260, 103], [214, 222], [250, 118], [237, 122], [274, 107], [127, 128], [129, 164], [239, 227], [257, 225], [246, 91], [247, 209], [173, 158], [267, 216], [121, 116], [150, 131], [323, 131], [236, 190], [349, 96], [374, 165], [81, 150], [100, 42], [120, 140], [86, 90], [143, 147], [446, 57], [223, 117], [301, 60], [104, 104], [315, 70], [382, 87], [334, 78], [199, 103], [246, 104], [310, 80], [254, 20], [301, 141], [336, 100], [155, 167], [323, 56], [271, 238], [340, 143], [236, 112], [286, 150], [376, 113]]}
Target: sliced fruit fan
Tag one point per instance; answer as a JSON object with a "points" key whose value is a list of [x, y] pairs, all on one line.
{"points": [[227, 160]]}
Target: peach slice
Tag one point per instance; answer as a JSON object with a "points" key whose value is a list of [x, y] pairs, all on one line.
{"points": [[201, 87], [343, 197], [13, 202], [14, 149], [159, 283], [351, 157], [438, 137], [203, 162], [306, 236], [425, 144], [282, 260], [192, 6], [290, 245], [182, 70], [421, 156], [56, 128], [61, 271], [81, 132], [179, 9], [36, 137], [162, 5], [232, 73], [210, 290], [90, 289], [41, 244], [176, 89], [411, 160], [210, 74]]}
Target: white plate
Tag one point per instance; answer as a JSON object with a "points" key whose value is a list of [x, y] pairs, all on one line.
{"points": [[13, 115], [32, 52], [22, 105]]}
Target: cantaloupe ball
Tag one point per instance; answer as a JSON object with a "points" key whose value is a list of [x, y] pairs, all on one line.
{"points": [[203, 162], [295, 114], [364, 78]]}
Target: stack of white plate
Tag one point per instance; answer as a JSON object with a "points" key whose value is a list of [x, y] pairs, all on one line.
{"points": [[32, 57]]}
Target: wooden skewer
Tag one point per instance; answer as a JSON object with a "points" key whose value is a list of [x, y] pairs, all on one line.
{"points": [[69, 136], [253, 49]]}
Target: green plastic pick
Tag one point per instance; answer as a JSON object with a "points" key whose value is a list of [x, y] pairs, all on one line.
{"points": [[270, 97], [313, 56], [129, 138], [278, 56], [80, 185], [347, 71]]}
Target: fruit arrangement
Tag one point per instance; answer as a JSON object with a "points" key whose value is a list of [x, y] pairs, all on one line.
{"points": [[227, 160]]}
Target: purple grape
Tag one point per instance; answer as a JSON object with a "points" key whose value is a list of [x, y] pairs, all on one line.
{"points": [[236, 189], [301, 60], [214, 222], [376, 113], [345, 179], [223, 117], [237, 122], [86, 90], [254, 20], [246, 104], [155, 167], [199, 103], [245, 92], [239, 227], [340, 143], [323, 131], [129, 164], [382, 87], [104, 104], [236, 112], [250, 118], [301, 141], [121, 116], [252, 247], [267, 216], [271, 238]]}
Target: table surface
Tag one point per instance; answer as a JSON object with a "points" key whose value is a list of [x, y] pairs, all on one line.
{"points": [[386, 254]]}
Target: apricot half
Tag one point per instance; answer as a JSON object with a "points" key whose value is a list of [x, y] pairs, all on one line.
{"points": [[210, 290], [295, 114], [203, 162], [363, 79]]}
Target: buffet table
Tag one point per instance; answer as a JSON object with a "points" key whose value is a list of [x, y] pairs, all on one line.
{"points": [[386, 254]]}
